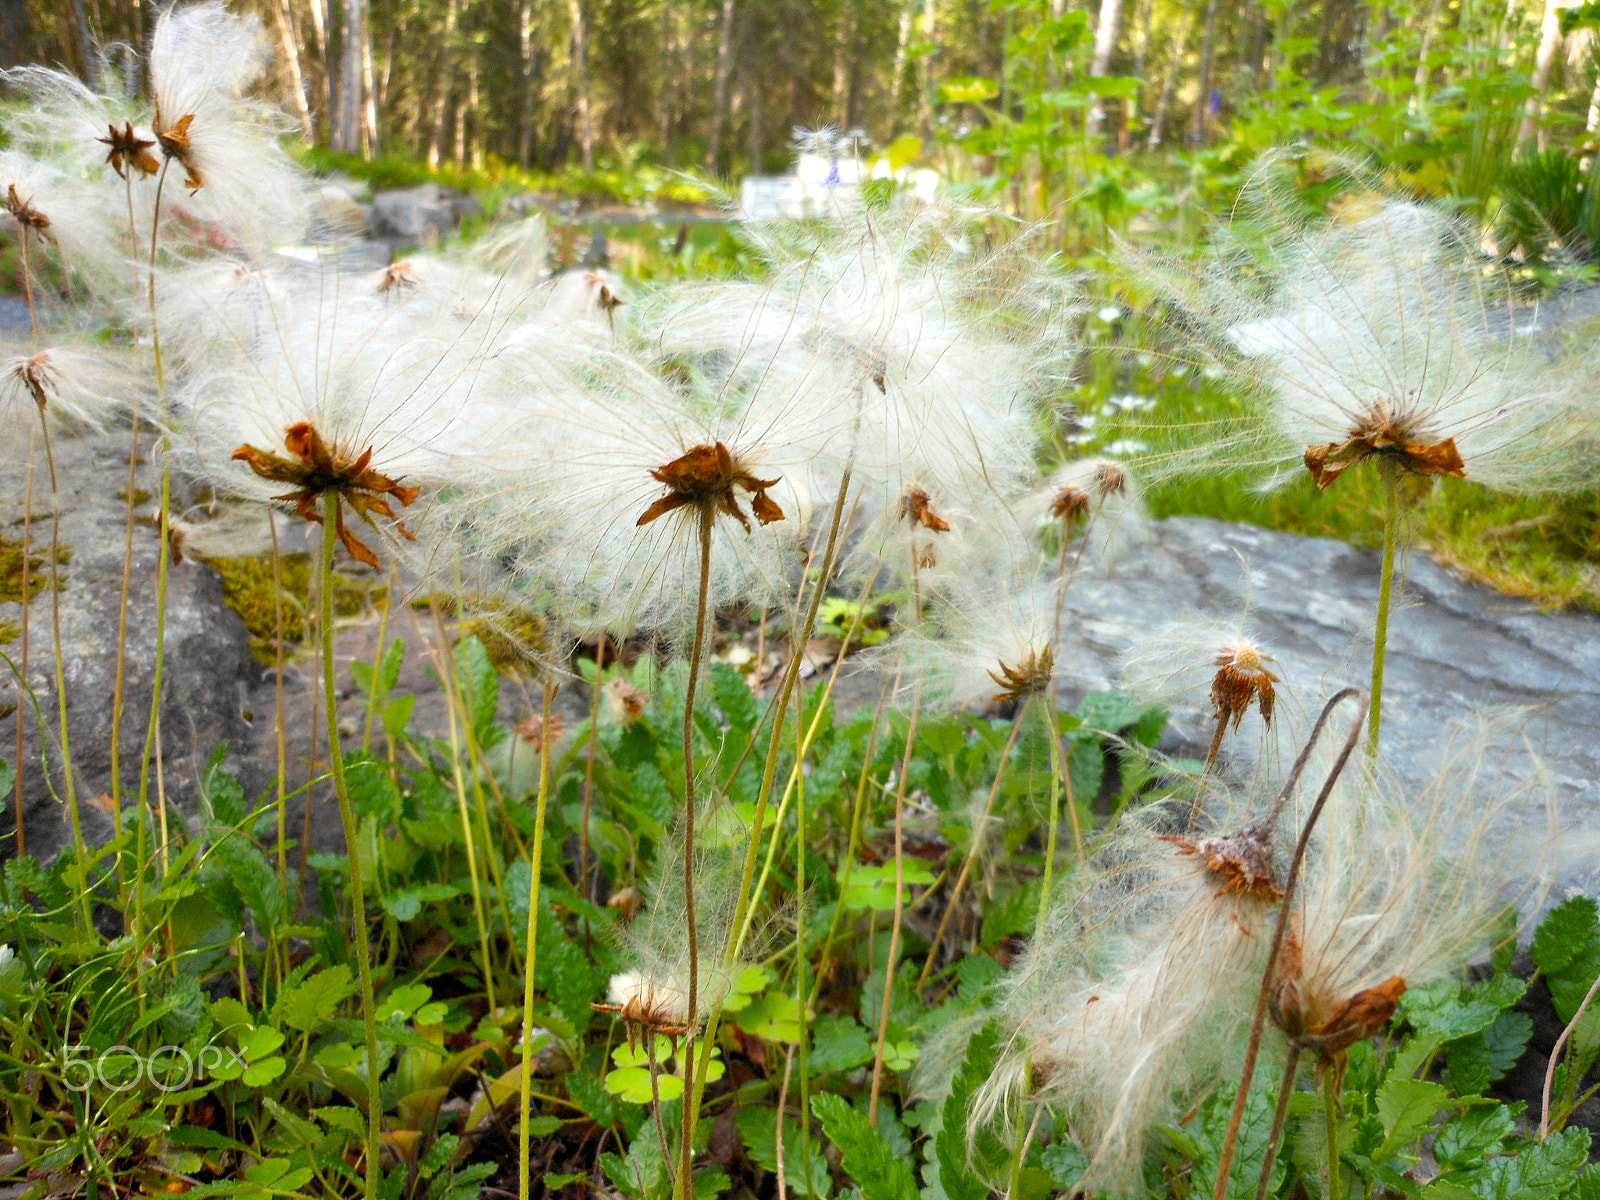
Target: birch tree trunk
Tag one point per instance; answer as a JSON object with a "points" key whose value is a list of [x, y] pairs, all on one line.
{"points": [[580, 82], [291, 53], [1549, 46], [1105, 43], [1208, 46], [719, 99], [526, 70]]}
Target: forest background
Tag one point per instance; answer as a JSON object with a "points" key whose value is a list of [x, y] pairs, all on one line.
{"points": [[1116, 118]]}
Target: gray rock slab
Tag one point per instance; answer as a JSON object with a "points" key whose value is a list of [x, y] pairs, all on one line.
{"points": [[207, 673], [1455, 648]]}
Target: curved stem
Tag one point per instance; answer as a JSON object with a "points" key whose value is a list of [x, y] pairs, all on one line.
{"points": [[277, 645], [529, 958], [682, 1187], [1230, 1141], [588, 773], [352, 839], [153, 727], [1280, 1114], [801, 994], [122, 634], [27, 285], [1380, 633], [1555, 1053]]}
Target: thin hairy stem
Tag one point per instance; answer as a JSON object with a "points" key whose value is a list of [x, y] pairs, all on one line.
{"points": [[783, 1102], [707, 514], [800, 992], [1380, 633], [1280, 1114], [1230, 1142], [588, 772], [277, 653], [1057, 774], [377, 666], [1555, 1055], [852, 842], [971, 857], [153, 728], [27, 285], [743, 905], [22, 679], [61, 669], [155, 330], [352, 838], [1333, 1188], [122, 626], [442, 666], [530, 957]]}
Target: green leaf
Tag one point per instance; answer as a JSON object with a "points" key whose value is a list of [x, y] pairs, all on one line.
{"points": [[1484, 1058], [758, 1129], [1407, 1108], [1544, 1170], [964, 1174], [735, 700], [403, 1001], [775, 1017], [1201, 1142], [406, 904], [632, 1085], [479, 683], [311, 1004], [876, 1169], [259, 1073], [872, 885], [439, 1154], [838, 1043], [340, 1117], [204, 1139], [1466, 1140], [1439, 1009], [1567, 931]]}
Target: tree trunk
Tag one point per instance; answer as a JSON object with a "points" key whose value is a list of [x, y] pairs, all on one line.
{"points": [[1180, 38], [1208, 45], [902, 49], [526, 69], [719, 99], [752, 107], [291, 53], [1105, 42], [580, 82], [475, 106], [930, 40], [369, 111], [1549, 46], [843, 36], [347, 127], [322, 25]]}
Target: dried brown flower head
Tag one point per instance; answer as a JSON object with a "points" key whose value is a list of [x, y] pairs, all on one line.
{"points": [[626, 901], [174, 141], [26, 215], [1110, 478], [1244, 861], [707, 476], [128, 151], [1384, 436], [1070, 503], [321, 469], [1327, 1025], [630, 701], [647, 1004], [916, 506], [37, 373], [1030, 676], [533, 730], [399, 276], [1242, 677]]}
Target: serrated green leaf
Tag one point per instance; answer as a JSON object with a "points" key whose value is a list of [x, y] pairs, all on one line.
{"points": [[877, 1170], [1567, 931], [479, 684], [965, 1169], [838, 1043], [1407, 1108], [313, 1003], [1543, 1170], [1440, 1009], [1466, 1140], [758, 1129]]}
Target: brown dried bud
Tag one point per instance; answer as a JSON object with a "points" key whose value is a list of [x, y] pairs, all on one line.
{"points": [[916, 506], [707, 476]]}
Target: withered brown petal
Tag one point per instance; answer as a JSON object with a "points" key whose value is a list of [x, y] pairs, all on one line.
{"points": [[662, 507]]}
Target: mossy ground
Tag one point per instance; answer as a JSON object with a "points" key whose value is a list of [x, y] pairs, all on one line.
{"points": [[247, 589], [38, 567]]}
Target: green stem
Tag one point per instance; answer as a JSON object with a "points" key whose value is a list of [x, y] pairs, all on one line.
{"points": [[1057, 773], [22, 679], [1280, 1115], [352, 845], [1380, 635], [523, 1179], [800, 992], [61, 673], [1330, 1127], [682, 1187], [152, 729]]}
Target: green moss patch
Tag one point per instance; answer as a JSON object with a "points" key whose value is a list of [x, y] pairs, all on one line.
{"points": [[247, 589]]}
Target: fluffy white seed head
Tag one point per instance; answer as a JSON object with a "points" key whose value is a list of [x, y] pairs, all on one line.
{"points": [[202, 60]]}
